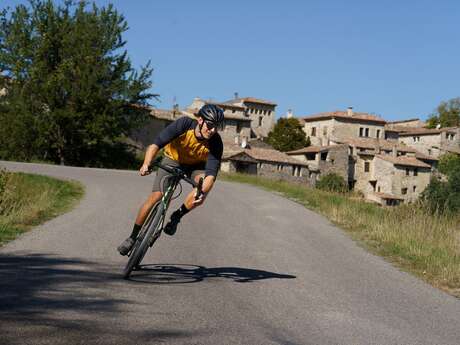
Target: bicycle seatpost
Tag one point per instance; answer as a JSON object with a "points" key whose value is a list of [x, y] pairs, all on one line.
{"points": [[199, 187]]}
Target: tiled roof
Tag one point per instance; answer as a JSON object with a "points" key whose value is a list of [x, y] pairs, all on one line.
{"points": [[399, 129], [262, 154], [309, 149], [371, 143], [404, 160], [344, 115], [387, 145], [249, 100], [403, 121], [428, 131]]}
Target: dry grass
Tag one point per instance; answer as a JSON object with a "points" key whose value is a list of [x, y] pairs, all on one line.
{"points": [[409, 236], [28, 200]]}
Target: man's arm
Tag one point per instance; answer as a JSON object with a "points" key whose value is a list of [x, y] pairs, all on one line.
{"points": [[150, 154]]}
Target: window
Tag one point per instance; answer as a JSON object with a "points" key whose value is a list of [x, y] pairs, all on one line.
{"points": [[260, 120], [378, 189], [366, 166], [323, 156], [367, 132], [378, 133], [351, 150], [407, 171], [361, 132], [429, 152], [415, 139], [403, 191], [313, 131], [325, 130], [414, 188], [415, 172]]}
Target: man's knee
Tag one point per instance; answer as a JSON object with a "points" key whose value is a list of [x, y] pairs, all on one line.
{"points": [[154, 197]]}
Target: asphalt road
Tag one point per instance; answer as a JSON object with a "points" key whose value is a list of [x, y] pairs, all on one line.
{"points": [[249, 267]]}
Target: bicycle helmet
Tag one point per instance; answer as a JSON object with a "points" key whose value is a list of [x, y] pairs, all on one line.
{"points": [[212, 113]]}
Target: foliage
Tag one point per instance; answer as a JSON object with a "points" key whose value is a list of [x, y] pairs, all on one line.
{"points": [[448, 163], [333, 183], [447, 114], [288, 135], [70, 84], [444, 197]]}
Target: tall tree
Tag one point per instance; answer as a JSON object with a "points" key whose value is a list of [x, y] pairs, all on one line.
{"points": [[447, 114], [71, 88], [288, 135]]}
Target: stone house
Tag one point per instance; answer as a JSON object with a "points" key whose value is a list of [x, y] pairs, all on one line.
{"points": [[324, 159], [266, 162], [388, 172], [326, 128], [261, 112], [432, 142]]}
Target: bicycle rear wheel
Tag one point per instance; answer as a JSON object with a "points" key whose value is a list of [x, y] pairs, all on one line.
{"points": [[143, 240]]}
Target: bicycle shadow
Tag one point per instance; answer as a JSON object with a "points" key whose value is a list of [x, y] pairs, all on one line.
{"points": [[185, 274]]}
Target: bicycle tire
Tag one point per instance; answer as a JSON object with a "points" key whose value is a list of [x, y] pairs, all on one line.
{"points": [[143, 240]]}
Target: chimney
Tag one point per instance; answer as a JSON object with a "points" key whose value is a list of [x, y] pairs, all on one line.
{"points": [[350, 111], [394, 151], [236, 95], [289, 114], [244, 142]]}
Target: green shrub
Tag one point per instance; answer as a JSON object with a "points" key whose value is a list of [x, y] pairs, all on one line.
{"points": [[332, 183], [443, 197], [449, 163]]}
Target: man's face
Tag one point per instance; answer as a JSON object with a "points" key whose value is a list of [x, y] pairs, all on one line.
{"points": [[207, 128]]}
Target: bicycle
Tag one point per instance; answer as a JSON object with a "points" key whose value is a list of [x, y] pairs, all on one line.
{"points": [[153, 224]]}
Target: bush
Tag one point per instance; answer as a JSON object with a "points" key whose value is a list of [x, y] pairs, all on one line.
{"points": [[443, 197], [448, 163], [333, 183]]}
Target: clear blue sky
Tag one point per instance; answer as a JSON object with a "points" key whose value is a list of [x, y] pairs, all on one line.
{"points": [[398, 59]]}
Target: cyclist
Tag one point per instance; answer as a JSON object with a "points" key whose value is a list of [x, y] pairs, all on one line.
{"points": [[193, 145]]}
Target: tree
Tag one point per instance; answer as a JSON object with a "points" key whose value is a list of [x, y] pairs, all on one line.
{"points": [[448, 163], [447, 114], [71, 89], [442, 196], [288, 135]]}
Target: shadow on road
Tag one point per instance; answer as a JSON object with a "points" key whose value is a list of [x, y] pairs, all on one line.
{"points": [[182, 273], [56, 300]]}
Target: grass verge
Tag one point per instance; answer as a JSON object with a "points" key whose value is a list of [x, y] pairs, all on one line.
{"points": [[28, 200], [408, 235]]}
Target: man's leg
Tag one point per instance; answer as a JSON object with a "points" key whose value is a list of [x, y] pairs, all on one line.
{"points": [[143, 212], [186, 207]]}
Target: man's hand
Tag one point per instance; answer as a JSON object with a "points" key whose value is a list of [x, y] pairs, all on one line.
{"points": [[144, 170], [198, 200]]}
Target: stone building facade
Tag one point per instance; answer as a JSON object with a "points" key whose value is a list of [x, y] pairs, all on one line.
{"points": [[327, 128], [261, 112], [324, 159], [432, 142], [266, 162]]}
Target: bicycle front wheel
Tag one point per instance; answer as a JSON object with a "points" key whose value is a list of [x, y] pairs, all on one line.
{"points": [[143, 240]]}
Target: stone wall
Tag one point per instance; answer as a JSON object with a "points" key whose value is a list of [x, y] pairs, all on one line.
{"points": [[426, 144], [320, 135], [336, 161]]}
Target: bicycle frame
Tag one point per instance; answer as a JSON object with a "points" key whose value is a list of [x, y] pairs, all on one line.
{"points": [[153, 225]]}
